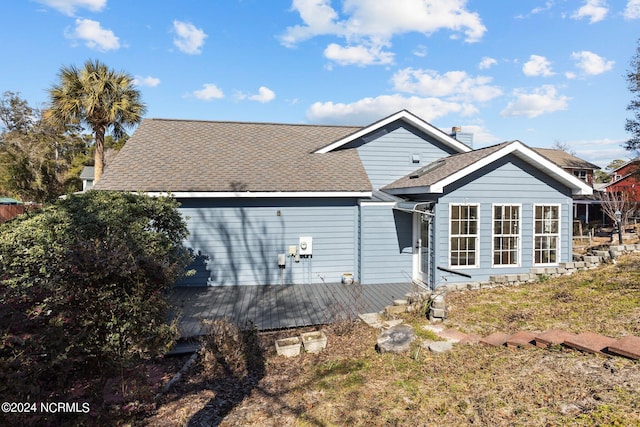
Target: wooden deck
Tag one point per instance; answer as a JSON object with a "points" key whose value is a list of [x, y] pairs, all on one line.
{"points": [[280, 306]]}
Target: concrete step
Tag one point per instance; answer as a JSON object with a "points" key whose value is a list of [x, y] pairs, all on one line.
{"points": [[496, 339], [552, 337], [628, 346], [590, 342], [521, 339]]}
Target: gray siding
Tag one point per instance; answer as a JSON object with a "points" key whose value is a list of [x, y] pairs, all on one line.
{"points": [[389, 156], [508, 181], [239, 240], [386, 254]]}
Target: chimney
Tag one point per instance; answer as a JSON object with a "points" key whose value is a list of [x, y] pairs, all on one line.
{"points": [[465, 137]]}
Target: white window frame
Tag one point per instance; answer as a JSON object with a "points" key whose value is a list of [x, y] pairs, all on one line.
{"points": [[476, 235], [517, 236], [557, 235]]}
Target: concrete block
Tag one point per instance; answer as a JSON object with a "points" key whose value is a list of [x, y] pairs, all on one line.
{"points": [[498, 279], [437, 312], [537, 270], [579, 264], [395, 309], [551, 270], [474, 286], [567, 265], [512, 278], [590, 259]]}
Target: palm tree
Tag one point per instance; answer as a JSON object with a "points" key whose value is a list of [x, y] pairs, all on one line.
{"points": [[99, 97]]}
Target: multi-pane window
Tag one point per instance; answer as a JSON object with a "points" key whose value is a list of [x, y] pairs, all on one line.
{"points": [[546, 234], [506, 234], [464, 235]]}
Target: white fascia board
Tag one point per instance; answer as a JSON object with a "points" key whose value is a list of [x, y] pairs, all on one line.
{"points": [[375, 203], [577, 186], [425, 189], [258, 194], [408, 118]]}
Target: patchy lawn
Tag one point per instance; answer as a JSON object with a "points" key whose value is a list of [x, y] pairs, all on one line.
{"points": [[350, 384]]}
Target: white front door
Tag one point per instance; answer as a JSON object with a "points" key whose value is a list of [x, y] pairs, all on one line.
{"points": [[421, 256]]}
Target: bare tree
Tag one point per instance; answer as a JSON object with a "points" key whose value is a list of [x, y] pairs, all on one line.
{"points": [[617, 202]]}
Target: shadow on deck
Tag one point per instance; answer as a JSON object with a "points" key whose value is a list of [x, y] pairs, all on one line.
{"points": [[280, 306]]}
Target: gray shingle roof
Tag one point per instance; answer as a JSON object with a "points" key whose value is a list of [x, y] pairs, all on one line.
{"points": [[441, 169], [208, 156], [564, 159]]}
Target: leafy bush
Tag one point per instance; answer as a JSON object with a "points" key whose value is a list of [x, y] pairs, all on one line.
{"points": [[83, 284]]}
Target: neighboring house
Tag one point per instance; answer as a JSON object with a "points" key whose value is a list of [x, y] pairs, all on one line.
{"points": [[88, 172], [390, 202], [585, 208], [580, 168], [626, 180], [87, 176]]}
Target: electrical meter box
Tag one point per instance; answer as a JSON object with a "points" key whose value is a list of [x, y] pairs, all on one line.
{"points": [[306, 246], [282, 260]]}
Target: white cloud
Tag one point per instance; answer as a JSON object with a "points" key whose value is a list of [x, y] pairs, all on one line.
{"points": [[146, 81], [69, 7], [420, 51], [368, 110], [487, 63], [208, 92], [454, 85], [374, 23], [537, 66], [601, 151], [94, 36], [358, 55], [595, 10], [264, 95], [590, 63], [632, 11], [189, 39], [542, 100]]}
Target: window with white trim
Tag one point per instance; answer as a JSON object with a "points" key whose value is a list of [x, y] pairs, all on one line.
{"points": [[546, 234], [506, 235], [463, 235]]}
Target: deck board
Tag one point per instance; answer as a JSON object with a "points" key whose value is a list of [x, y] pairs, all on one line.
{"points": [[279, 306]]}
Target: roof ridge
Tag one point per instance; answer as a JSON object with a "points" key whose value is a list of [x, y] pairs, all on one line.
{"points": [[249, 122]]}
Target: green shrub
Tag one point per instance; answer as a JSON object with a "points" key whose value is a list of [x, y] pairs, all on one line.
{"points": [[83, 283]]}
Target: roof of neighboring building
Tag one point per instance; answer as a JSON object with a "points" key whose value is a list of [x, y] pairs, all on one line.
{"points": [[9, 201], [87, 173], [433, 177], [212, 156], [564, 159]]}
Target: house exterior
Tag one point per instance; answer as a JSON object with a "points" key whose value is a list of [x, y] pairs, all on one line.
{"points": [[87, 176], [578, 167], [626, 180], [386, 203]]}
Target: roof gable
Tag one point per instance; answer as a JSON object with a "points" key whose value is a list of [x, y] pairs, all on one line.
{"points": [[434, 177], [406, 117]]}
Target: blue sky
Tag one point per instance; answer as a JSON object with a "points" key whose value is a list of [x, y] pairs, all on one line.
{"points": [[544, 72]]}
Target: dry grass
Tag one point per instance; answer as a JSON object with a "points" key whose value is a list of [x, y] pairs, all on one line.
{"points": [[350, 384]]}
